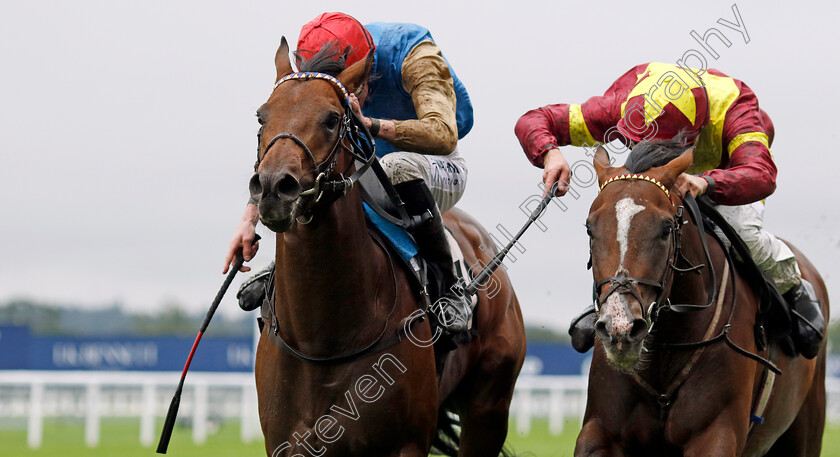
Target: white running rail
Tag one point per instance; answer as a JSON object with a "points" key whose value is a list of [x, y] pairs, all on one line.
{"points": [[209, 398]]}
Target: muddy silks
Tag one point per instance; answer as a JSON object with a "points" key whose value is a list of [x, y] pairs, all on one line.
{"points": [[389, 99]]}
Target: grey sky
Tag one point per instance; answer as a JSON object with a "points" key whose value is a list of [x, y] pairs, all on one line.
{"points": [[128, 129]]}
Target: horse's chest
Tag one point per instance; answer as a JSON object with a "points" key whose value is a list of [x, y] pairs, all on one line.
{"points": [[362, 412], [346, 423]]}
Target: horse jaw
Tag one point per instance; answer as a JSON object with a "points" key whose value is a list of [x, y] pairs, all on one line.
{"points": [[278, 215], [624, 360]]}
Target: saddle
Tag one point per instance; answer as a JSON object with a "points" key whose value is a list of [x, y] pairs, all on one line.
{"points": [[773, 321], [387, 218]]}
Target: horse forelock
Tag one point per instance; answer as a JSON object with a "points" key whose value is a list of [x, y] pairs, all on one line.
{"points": [[330, 59], [649, 154]]}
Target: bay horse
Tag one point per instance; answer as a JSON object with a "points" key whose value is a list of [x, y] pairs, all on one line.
{"points": [[649, 397], [325, 386]]}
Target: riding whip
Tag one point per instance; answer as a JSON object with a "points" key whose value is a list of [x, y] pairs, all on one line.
{"points": [[491, 267], [169, 423]]}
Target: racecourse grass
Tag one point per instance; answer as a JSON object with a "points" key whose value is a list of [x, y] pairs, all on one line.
{"points": [[120, 438]]}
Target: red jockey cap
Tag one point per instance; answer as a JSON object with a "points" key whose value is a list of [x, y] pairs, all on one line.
{"points": [[338, 28], [662, 105]]}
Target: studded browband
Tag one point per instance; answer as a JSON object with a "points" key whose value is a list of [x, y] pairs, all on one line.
{"points": [[640, 178], [304, 75]]}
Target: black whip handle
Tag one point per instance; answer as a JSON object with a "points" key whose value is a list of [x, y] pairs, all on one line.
{"points": [[172, 414]]}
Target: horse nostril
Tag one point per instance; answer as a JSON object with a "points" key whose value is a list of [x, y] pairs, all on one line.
{"points": [[255, 187], [601, 327], [288, 186], [638, 330], [282, 185]]}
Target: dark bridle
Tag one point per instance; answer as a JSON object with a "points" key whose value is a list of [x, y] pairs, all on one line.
{"points": [[361, 147], [624, 283]]}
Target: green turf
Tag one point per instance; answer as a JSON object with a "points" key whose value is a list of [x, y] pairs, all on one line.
{"points": [[120, 438]]}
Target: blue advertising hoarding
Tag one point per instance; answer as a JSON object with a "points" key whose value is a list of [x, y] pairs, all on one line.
{"points": [[19, 349]]}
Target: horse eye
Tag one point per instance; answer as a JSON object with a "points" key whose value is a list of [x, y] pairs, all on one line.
{"points": [[666, 231], [589, 231], [331, 121]]}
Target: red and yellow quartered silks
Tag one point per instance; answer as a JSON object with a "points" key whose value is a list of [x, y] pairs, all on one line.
{"points": [[734, 145]]}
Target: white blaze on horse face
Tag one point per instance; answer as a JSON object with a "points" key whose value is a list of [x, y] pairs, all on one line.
{"points": [[625, 209], [616, 307]]}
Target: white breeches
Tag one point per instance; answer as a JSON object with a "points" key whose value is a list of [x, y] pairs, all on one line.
{"points": [[446, 176], [771, 254]]}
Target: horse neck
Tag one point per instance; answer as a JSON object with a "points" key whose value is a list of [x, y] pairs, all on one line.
{"points": [[329, 274]]}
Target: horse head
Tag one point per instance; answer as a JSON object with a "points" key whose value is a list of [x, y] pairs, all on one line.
{"points": [[633, 226], [303, 130]]}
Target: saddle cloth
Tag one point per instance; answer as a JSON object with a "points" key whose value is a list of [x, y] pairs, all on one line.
{"points": [[404, 245]]}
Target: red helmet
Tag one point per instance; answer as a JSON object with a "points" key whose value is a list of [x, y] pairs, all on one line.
{"points": [[339, 28], [661, 105]]}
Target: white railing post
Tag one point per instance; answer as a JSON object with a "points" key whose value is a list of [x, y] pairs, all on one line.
{"points": [[250, 418], [523, 411], [556, 398], [35, 423], [556, 415], [92, 414], [199, 432], [147, 418]]}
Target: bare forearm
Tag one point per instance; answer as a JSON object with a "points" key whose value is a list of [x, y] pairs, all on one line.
{"points": [[386, 129]]}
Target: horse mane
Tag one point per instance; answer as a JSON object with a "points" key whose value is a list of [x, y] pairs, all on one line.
{"points": [[648, 154], [330, 59]]}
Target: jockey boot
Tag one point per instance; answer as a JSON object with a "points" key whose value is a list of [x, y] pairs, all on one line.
{"points": [[808, 322], [582, 329], [452, 307], [253, 291]]}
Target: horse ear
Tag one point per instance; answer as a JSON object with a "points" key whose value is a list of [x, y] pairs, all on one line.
{"points": [[601, 161], [355, 75], [679, 165], [281, 60]]}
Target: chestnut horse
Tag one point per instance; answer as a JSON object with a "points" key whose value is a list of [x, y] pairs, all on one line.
{"points": [[647, 398], [326, 383]]}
